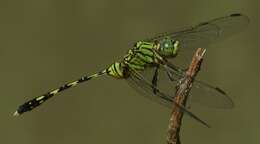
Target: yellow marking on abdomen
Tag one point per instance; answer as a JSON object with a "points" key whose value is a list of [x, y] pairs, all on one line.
{"points": [[55, 91], [73, 83], [39, 98]]}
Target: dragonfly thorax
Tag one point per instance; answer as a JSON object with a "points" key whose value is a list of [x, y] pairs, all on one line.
{"points": [[140, 56]]}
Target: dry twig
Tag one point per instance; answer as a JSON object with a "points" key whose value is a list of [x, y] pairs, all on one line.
{"points": [[181, 96]]}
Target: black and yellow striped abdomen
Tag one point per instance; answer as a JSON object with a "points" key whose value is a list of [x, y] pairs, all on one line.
{"points": [[37, 101]]}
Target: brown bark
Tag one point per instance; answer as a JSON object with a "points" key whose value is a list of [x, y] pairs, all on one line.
{"points": [[181, 97]]}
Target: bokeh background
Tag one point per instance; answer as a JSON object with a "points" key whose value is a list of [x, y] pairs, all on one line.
{"points": [[45, 43]]}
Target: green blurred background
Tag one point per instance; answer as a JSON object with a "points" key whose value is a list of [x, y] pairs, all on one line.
{"points": [[45, 43]]}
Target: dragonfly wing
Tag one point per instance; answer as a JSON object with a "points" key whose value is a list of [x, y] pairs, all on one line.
{"points": [[150, 89], [203, 34], [204, 93], [207, 32], [137, 81], [160, 78], [211, 96]]}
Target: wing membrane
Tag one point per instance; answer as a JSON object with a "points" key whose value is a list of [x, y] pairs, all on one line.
{"points": [[211, 96], [203, 34], [207, 32], [138, 82], [204, 93]]}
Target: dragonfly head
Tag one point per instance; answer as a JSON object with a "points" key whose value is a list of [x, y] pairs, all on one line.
{"points": [[168, 47]]}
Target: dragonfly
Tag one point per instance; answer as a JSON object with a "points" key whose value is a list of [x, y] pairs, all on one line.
{"points": [[149, 66]]}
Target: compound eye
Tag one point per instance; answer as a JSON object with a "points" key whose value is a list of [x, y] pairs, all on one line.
{"points": [[166, 45]]}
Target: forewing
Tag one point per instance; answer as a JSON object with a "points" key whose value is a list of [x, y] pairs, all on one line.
{"points": [[203, 34], [207, 32], [138, 82]]}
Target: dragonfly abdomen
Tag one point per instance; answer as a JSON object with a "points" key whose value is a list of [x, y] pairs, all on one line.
{"points": [[37, 101]]}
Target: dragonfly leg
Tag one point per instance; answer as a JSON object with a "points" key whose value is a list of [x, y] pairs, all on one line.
{"points": [[155, 80]]}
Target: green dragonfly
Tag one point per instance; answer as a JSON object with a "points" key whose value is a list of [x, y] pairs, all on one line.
{"points": [[147, 66]]}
